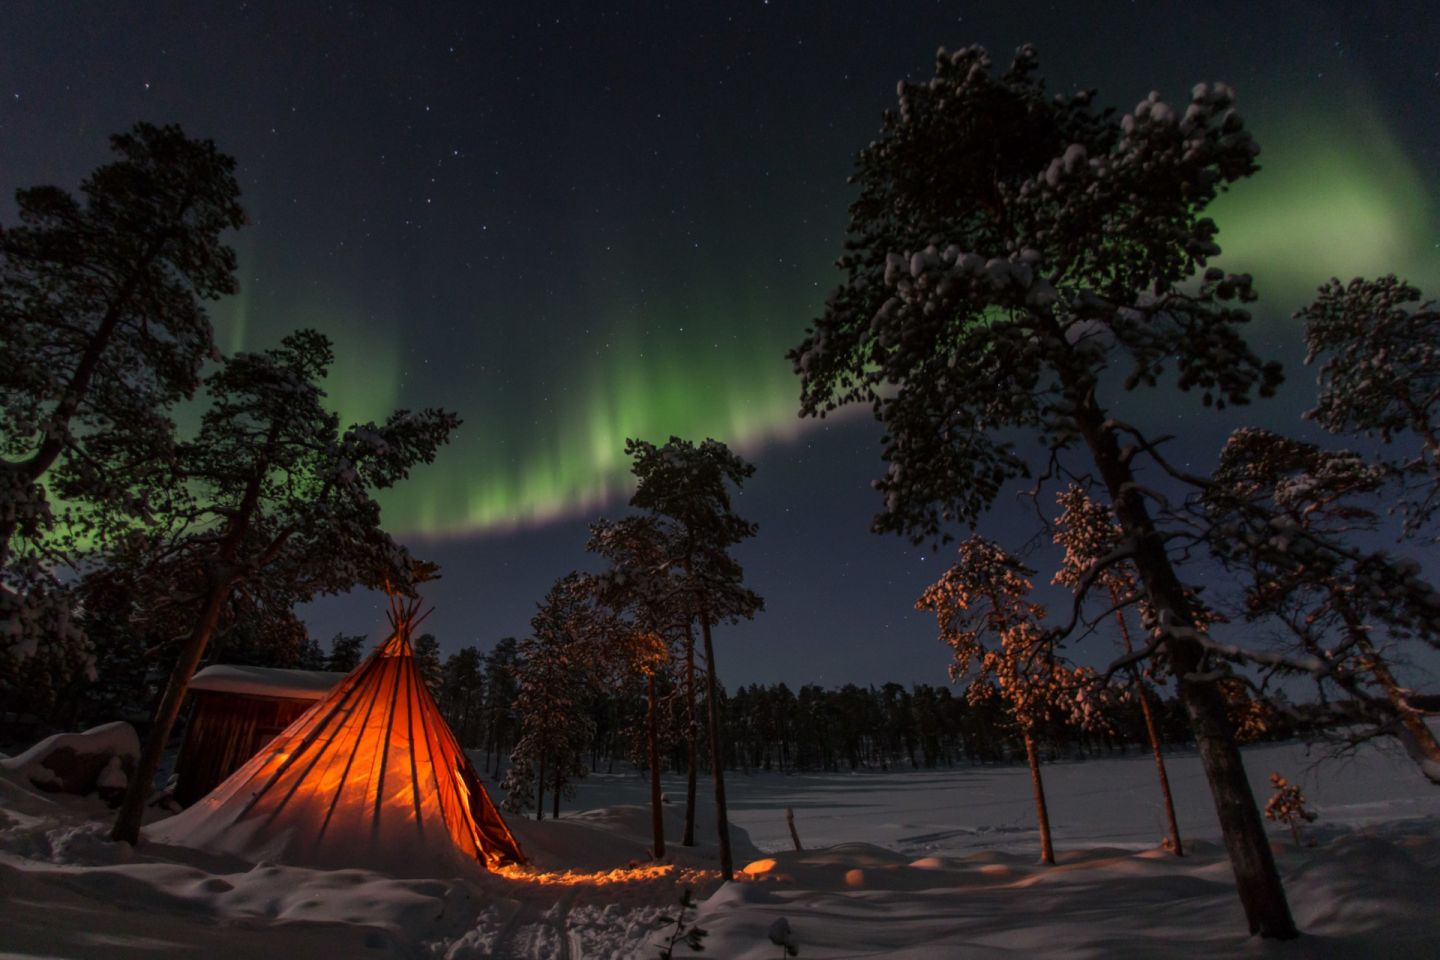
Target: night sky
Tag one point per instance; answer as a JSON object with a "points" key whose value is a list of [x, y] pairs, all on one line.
{"points": [[576, 223]]}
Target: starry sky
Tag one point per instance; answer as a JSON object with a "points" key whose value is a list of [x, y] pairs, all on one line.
{"points": [[575, 223]]}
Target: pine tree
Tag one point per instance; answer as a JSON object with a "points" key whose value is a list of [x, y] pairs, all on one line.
{"points": [[1380, 377], [311, 656], [345, 652], [1286, 514], [1009, 252], [427, 661], [502, 687], [552, 705], [686, 489], [984, 613], [271, 499], [462, 695], [1087, 531], [102, 330], [653, 609]]}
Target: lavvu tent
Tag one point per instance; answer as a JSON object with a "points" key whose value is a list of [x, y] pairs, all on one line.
{"points": [[370, 776]]}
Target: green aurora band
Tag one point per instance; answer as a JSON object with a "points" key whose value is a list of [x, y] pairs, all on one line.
{"points": [[1336, 196], [571, 459]]}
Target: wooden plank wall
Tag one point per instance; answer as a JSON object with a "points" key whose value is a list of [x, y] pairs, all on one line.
{"points": [[226, 729]]}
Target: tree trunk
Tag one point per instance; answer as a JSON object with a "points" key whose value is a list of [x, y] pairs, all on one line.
{"points": [[1256, 878], [1154, 735], [1042, 813], [540, 792], [1418, 740], [1151, 731], [555, 799], [790, 822], [652, 733], [137, 792], [717, 759], [692, 737]]}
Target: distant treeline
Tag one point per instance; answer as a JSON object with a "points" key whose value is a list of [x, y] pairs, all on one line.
{"points": [[812, 729]]}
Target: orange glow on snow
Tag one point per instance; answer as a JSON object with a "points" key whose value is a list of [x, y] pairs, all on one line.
{"points": [[654, 871]]}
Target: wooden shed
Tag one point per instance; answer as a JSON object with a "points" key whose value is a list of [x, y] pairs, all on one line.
{"points": [[235, 712]]}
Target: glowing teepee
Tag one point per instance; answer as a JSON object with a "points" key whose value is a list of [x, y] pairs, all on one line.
{"points": [[370, 776]]}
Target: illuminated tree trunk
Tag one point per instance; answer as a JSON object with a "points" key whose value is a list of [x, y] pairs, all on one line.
{"points": [[692, 737], [1421, 738], [1151, 730], [1419, 741], [1256, 877], [137, 792], [717, 758], [1042, 813], [657, 819]]}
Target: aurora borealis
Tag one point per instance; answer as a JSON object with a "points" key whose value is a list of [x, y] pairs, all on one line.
{"points": [[574, 225]]}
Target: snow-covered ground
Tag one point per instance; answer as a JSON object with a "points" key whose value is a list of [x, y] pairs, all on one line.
{"points": [[902, 864]]}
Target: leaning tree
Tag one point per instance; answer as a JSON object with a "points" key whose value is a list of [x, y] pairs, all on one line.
{"points": [[1025, 263], [103, 330], [1289, 517]]}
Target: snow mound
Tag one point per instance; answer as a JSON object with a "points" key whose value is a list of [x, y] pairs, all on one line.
{"points": [[100, 759]]}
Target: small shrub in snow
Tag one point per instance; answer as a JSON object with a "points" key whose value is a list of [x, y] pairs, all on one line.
{"points": [[1288, 806]]}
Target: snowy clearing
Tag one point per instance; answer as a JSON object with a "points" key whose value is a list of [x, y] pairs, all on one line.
{"points": [[908, 864]]}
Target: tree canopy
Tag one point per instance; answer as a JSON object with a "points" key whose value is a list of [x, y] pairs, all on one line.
{"points": [[1016, 264]]}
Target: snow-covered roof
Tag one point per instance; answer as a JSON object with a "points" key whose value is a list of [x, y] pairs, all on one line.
{"points": [[266, 681]]}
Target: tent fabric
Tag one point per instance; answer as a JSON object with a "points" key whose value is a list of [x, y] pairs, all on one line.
{"points": [[370, 776]]}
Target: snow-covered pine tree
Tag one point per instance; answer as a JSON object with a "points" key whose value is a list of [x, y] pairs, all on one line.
{"points": [[269, 497], [1087, 531], [983, 608], [686, 489], [346, 651], [102, 330], [1022, 263], [552, 706], [1285, 514], [1379, 351], [427, 661]]}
